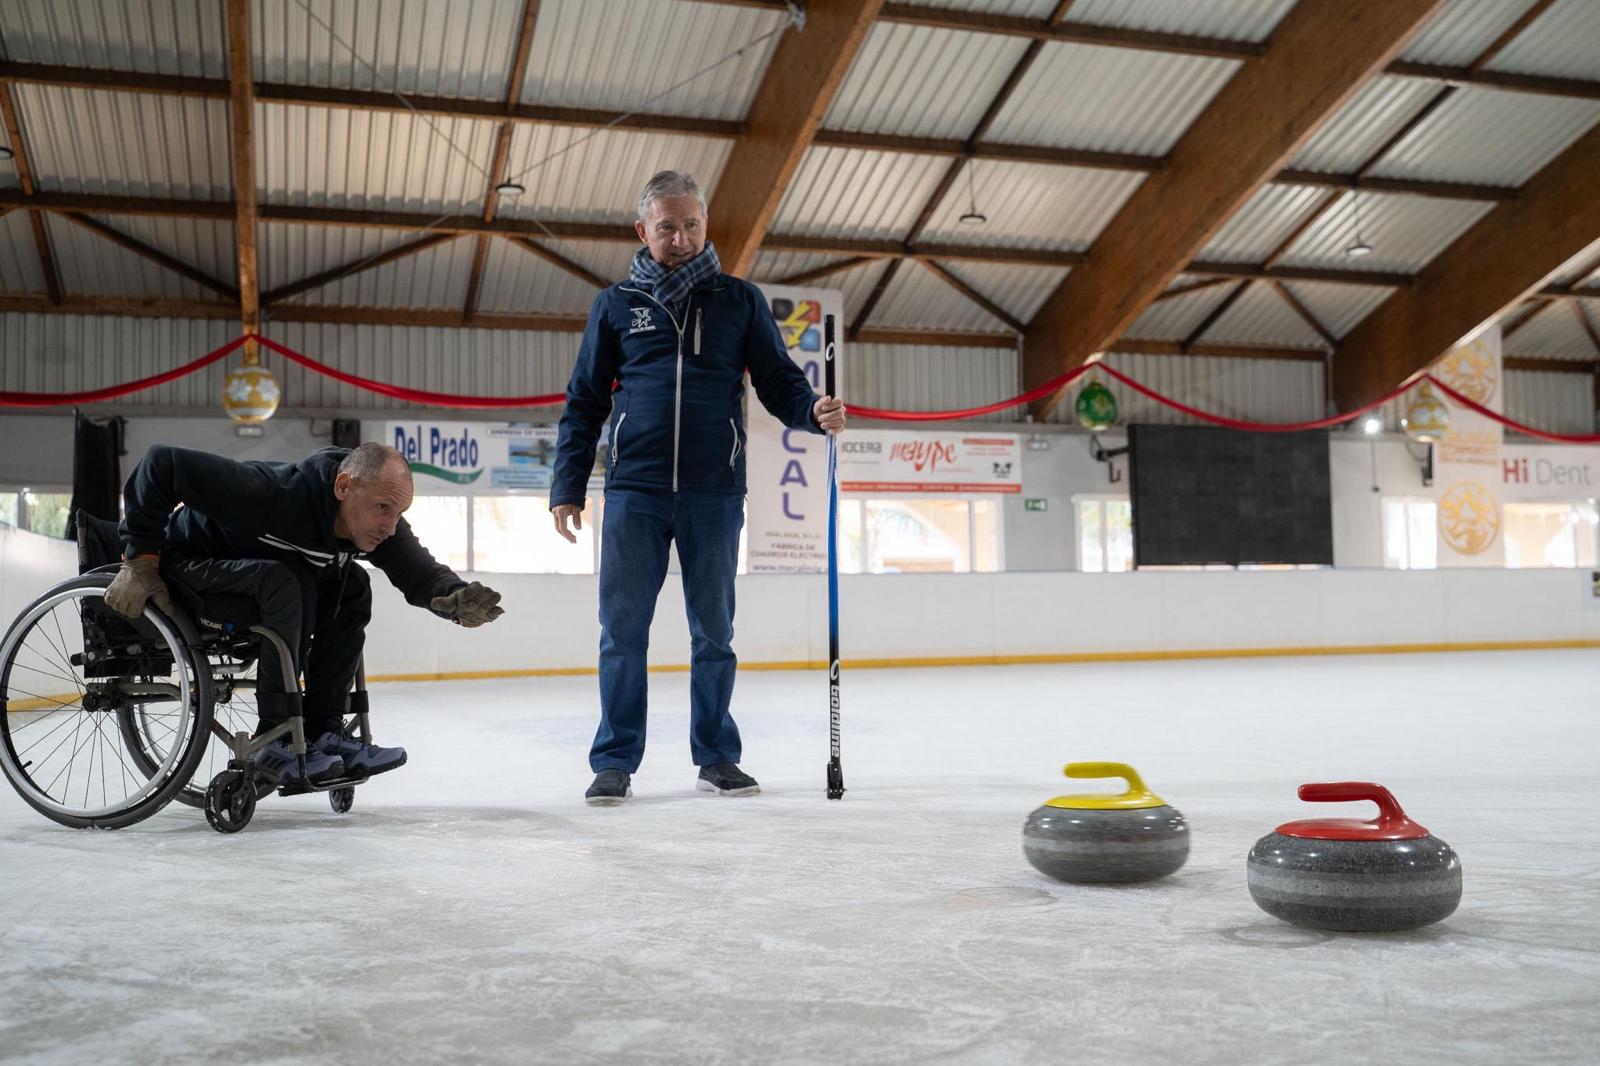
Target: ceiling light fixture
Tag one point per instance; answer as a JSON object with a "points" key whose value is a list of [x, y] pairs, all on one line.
{"points": [[1358, 248], [973, 217], [6, 153], [509, 189]]}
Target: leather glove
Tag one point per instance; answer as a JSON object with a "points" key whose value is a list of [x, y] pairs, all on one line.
{"points": [[470, 605], [137, 582]]}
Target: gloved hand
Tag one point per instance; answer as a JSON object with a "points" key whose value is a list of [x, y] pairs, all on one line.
{"points": [[138, 581], [470, 605]]}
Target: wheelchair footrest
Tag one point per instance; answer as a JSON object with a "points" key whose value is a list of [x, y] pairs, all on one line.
{"points": [[325, 785]]}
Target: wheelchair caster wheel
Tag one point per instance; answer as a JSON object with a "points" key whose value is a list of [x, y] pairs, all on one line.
{"points": [[342, 799], [230, 801]]}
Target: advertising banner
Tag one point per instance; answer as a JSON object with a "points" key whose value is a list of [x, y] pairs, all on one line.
{"points": [[1468, 460], [961, 461], [475, 458], [786, 513]]}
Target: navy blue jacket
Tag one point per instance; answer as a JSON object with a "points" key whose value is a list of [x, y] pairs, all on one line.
{"points": [[263, 510], [677, 414]]}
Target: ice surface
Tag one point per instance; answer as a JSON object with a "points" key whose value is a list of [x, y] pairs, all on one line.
{"points": [[471, 908]]}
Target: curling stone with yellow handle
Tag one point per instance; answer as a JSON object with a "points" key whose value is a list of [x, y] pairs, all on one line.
{"points": [[1106, 837]]}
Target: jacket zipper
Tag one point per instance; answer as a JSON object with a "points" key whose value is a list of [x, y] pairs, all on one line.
{"points": [[616, 439], [677, 391], [733, 456], [697, 314]]}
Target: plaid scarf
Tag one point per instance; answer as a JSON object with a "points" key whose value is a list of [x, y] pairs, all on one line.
{"points": [[672, 287]]}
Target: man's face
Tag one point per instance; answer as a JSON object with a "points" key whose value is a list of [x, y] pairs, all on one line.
{"points": [[370, 511], [675, 230]]}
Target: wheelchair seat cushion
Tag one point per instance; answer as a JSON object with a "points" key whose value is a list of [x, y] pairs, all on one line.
{"points": [[217, 613]]}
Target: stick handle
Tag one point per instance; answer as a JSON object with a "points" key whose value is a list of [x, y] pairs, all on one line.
{"points": [[828, 365]]}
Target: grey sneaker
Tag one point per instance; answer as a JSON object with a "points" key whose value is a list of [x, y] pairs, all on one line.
{"points": [[278, 763], [611, 788], [726, 779], [360, 758]]}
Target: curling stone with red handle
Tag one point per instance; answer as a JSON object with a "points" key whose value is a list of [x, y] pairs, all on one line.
{"points": [[1376, 876]]}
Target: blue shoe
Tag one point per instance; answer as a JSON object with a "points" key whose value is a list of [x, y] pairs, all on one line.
{"points": [[279, 763], [360, 758]]}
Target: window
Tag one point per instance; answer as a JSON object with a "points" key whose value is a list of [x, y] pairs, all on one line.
{"points": [[1410, 533], [1550, 534], [440, 523], [1105, 534], [923, 536], [40, 510], [504, 534], [515, 535]]}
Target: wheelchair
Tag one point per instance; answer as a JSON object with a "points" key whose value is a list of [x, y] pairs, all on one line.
{"points": [[107, 720]]}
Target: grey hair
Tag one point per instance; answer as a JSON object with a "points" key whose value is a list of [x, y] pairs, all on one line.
{"points": [[668, 183], [366, 462]]}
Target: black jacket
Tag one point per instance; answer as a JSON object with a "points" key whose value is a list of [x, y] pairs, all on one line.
{"points": [[261, 510], [677, 414]]}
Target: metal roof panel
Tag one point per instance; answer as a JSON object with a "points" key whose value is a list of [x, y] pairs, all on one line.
{"points": [[1563, 42], [423, 47], [922, 82], [659, 58], [1404, 232], [184, 37], [1110, 99], [1489, 138], [1032, 205], [132, 144]]}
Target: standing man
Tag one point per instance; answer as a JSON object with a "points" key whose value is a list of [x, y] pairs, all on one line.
{"points": [[664, 357]]}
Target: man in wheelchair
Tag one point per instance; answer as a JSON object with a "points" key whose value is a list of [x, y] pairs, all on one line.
{"points": [[286, 535]]}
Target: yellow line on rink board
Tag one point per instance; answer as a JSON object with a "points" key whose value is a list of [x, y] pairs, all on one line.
{"points": [[1035, 660], [65, 701]]}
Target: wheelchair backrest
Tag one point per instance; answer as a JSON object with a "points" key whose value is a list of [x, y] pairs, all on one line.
{"points": [[99, 543]]}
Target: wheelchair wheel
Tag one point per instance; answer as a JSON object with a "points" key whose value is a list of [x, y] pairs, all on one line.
{"points": [[342, 799], [233, 710], [230, 801], [70, 670]]}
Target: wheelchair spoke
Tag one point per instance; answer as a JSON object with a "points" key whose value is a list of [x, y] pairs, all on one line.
{"points": [[70, 678], [40, 740], [58, 702], [66, 657], [72, 756]]}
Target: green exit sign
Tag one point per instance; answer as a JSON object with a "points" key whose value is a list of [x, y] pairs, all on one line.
{"points": [[1036, 505]]}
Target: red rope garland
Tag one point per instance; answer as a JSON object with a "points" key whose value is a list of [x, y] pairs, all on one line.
{"points": [[111, 392], [454, 400], [400, 392], [1473, 405]]}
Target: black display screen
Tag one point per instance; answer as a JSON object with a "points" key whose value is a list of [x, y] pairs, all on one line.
{"points": [[1202, 494]]}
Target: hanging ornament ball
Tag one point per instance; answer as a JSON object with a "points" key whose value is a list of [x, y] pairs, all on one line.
{"points": [[1096, 407], [250, 394], [1427, 418]]}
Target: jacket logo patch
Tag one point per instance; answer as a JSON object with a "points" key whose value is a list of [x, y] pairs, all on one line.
{"points": [[641, 321]]}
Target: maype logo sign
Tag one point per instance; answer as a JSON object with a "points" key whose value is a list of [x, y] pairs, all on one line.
{"points": [[449, 453]]}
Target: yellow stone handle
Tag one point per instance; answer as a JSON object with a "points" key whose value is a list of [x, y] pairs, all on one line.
{"points": [[1136, 787]]}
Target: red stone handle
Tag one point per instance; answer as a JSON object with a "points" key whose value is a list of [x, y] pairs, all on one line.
{"points": [[1390, 814]]}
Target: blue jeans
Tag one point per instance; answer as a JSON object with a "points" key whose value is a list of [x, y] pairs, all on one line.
{"points": [[638, 529]]}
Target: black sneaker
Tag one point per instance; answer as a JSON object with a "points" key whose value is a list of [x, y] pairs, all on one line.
{"points": [[726, 779], [610, 788]]}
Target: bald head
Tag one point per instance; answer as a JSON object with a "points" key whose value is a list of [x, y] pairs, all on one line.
{"points": [[374, 489]]}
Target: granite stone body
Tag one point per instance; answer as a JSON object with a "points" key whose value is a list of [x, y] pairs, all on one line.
{"points": [[1368, 886], [1105, 846]]}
